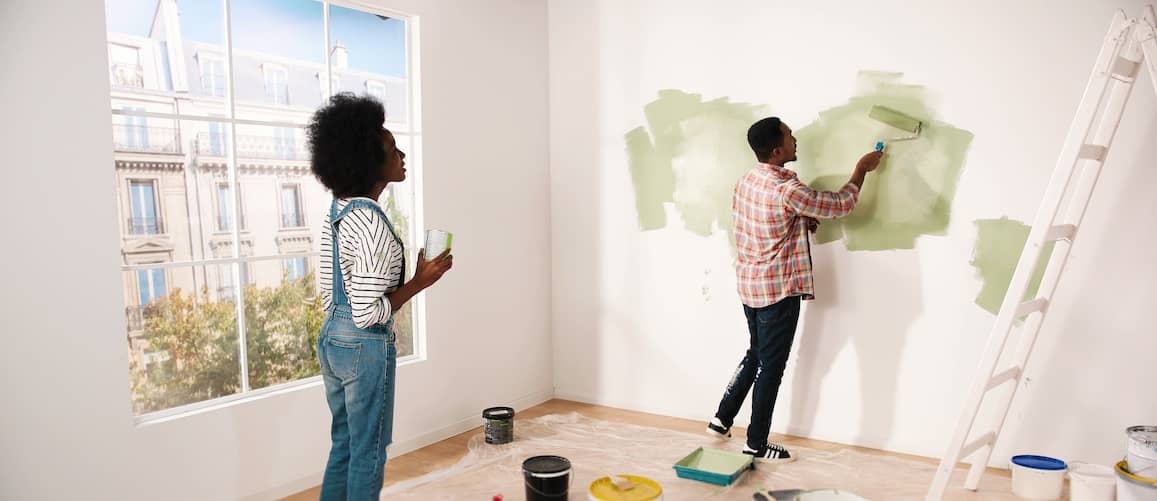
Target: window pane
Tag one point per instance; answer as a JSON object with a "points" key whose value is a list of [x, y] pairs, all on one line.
{"points": [[398, 202], [367, 47], [183, 344], [141, 55], [283, 204], [278, 52], [176, 207], [133, 133], [398, 199], [282, 319]]}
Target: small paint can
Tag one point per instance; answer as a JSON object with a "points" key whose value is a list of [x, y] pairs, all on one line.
{"points": [[547, 478], [1142, 450], [498, 425]]}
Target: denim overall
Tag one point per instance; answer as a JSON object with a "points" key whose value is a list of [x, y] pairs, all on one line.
{"points": [[358, 367]]}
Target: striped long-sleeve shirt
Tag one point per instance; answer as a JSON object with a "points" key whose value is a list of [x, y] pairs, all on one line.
{"points": [[770, 210], [371, 263]]}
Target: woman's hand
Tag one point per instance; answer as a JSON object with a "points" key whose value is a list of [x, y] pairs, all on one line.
{"points": [[427, 273]]}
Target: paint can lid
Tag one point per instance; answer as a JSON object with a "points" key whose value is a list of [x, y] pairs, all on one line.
{"points": [[546, 465], [1039, 462], [498, 413], [1146, 435]]}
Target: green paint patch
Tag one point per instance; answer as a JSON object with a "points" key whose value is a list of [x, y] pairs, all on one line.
{"points": [[691, 153], [912, 191], [999, 243]]}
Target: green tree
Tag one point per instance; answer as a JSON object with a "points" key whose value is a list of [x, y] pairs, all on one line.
{"points": [[200, 339], [404, 319]]}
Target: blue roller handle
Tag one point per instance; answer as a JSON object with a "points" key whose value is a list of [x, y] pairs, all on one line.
{"points": [[879, 146]]}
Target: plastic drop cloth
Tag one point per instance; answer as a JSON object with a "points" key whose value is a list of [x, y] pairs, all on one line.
{"points": [[598, 448]]}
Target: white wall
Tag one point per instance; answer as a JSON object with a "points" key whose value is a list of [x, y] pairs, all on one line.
{"points": [[885, 355], [67, 428]]}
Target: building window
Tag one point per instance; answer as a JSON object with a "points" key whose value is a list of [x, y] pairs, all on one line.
{"points": [[376, 89], [228, 289], [212, 74], [276, 84], [150, 285], [224, 208], [125, 66], [296, 268], [217, 139], [134, 132], [144, 217], [291, 215]]}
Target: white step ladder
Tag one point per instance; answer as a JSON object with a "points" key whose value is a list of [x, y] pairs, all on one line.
{"points": [[1129, 43]]}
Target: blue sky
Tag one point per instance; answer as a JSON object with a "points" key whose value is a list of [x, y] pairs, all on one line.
{"points": [[287, 28]]}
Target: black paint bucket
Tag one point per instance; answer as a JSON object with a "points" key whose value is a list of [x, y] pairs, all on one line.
{"points": [[499, 425], [547, 478]]}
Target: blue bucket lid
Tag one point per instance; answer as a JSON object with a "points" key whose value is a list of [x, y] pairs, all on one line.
{"points": [[1039, 462]]}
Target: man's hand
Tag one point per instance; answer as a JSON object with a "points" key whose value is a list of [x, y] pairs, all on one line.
{"points": [[869, 162]]}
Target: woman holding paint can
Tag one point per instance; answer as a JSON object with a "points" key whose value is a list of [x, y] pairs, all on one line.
{"points": [[362, 284]]}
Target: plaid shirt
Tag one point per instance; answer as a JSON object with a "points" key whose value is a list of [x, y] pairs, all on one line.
{"points": [[771, 210]]}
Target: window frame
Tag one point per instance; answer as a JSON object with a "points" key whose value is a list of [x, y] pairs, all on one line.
{"points": [[413, 210]]}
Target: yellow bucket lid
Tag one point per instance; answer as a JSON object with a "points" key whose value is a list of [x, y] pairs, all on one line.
{"points": [[603, 489]]}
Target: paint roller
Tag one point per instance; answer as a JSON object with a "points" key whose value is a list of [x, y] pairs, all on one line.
{"points": [[893, 118]]}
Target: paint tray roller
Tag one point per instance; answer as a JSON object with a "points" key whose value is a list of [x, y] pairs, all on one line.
{"points": [[893, 118]]}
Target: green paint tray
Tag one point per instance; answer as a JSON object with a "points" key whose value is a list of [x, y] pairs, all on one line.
{"points": [[713, 466]]}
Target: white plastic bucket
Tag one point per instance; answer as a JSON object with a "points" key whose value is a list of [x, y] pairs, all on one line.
{"points": [[1038, 477], [1130, 487], [1142, 447], [1092, 482]]}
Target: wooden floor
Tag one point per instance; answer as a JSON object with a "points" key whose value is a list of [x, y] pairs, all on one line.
{"points": [[448, 452]]}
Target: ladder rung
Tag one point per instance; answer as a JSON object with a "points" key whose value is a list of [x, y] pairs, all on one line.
{"points": [[1093, 152], [1038, 304], [1125, 69], [1062, 232], [975, 445], [1010, 374]]}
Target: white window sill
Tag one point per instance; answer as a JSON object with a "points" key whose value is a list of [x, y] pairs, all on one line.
{"points": [[219, 404]]}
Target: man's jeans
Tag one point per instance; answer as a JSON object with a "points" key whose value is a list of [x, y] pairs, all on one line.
{"points": [[772, 330]]}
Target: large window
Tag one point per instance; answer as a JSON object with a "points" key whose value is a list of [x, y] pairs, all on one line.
{"points": [[220, 291]]}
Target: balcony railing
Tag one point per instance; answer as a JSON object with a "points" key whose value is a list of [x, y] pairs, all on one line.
{"points": [[145, 138], [128, 75], [136, 316], [145, 226], [253, 147]]}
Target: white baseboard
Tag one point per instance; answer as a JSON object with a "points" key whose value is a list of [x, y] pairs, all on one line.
{"points": [[286, 490], [405, 446], [464, 425]]}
